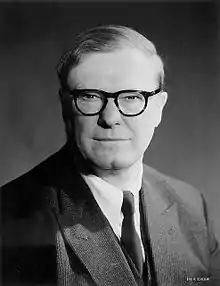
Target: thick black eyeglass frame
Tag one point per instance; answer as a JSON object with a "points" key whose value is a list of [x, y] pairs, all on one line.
{"points": [[105, 95]]}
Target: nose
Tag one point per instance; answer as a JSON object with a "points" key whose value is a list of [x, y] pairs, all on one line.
{"points": [[110, 116]]}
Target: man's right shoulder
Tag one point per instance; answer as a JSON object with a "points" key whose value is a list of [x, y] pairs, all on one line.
{"points": [[28, 190], [33, 177], [43, 173]]}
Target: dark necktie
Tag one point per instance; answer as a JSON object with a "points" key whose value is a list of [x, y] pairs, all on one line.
{"points": [[129, 237]]}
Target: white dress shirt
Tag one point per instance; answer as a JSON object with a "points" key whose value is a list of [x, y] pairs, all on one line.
{"points": [[110, 198]]}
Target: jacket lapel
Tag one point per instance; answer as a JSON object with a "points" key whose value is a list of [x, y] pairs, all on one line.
{"points": [[175, 250], [89, 234]]}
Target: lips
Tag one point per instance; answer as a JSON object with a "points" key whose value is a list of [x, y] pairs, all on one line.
{"points": [[111, 139]]}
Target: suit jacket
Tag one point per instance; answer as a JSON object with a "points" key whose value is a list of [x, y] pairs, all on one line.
{"points": [[54, 233]]}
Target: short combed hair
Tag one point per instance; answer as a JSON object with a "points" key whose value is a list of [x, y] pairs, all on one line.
{"points": [[106, 38]]}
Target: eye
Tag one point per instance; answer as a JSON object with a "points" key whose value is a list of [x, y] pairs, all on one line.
{"points": [[89, 97], [132, 97]]}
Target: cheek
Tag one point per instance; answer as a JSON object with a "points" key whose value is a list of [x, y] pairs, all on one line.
{"points": [[84, 127], [143, 130]]}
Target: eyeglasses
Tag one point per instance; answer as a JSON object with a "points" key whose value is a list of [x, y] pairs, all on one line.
{"points": [[129, 102]]}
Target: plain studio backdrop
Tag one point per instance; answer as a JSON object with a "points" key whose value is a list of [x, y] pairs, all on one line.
{"points": [[32, 37]]}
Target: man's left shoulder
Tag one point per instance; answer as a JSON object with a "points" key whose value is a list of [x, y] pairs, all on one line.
{"points": [[182, 192]]}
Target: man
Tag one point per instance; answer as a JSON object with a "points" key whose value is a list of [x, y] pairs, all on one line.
{"points": [[68, 221]]}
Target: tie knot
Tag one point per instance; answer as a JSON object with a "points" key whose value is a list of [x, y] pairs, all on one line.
{"points": [[128, 203]]}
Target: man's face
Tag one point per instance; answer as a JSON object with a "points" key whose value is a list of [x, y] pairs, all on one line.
{"points": [[109, 139]]}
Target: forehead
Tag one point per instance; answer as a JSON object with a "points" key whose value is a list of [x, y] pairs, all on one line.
{"points": [[128, 68]]}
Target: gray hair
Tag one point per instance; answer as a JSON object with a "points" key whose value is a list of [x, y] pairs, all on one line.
{"points": [[106, 39]]}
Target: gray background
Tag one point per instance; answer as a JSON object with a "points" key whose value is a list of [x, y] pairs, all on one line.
{"points": [[32, 38]]}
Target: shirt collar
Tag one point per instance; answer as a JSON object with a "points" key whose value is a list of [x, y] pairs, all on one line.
{"points": [[107, 194]]}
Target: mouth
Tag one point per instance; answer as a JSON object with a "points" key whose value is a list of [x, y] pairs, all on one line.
{"points": [[111, 139]]}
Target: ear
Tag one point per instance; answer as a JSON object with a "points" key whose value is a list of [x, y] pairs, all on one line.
{"points": [[62, 95], [160, 101], [66, 105]]}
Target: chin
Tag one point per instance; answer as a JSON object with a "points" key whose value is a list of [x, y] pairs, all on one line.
{"points": [[113, 163]]}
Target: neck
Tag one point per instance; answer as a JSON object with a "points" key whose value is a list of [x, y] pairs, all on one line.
{"points": [[120, 178]]}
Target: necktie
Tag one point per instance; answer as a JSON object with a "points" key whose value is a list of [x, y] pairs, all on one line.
{"points": [[129, 237]]}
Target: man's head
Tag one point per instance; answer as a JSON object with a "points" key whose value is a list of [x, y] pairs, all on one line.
{"points": [[111, 59]]}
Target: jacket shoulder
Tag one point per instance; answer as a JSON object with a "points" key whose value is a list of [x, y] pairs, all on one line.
{"points": [[182, 192], [26, 193]]}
